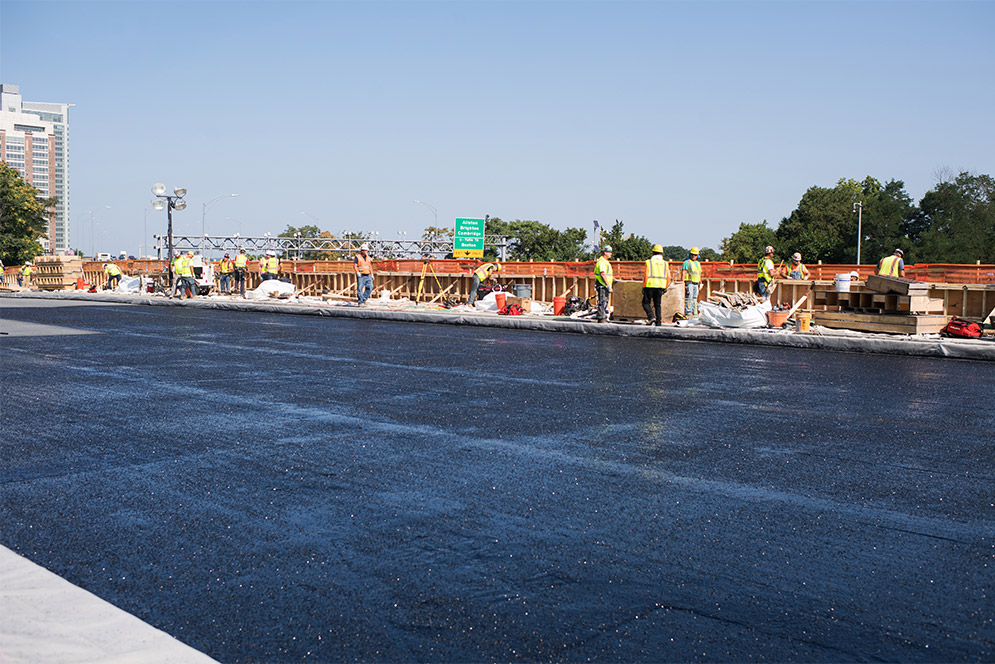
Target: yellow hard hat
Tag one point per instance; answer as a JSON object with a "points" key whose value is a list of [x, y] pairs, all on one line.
{"points": [[694, 250], [657, 249]]}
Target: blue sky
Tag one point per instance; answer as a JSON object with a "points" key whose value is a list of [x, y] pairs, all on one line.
{"points": [[681, 119]]}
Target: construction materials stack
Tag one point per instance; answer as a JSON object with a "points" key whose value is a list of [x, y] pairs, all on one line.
{"points": [[889, 304], [56, 273]]}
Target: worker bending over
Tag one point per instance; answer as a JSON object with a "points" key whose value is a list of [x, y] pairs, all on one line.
{"points": [[892, 266], [482, 273], [603, 281], [364, 274], [655, 282], [691, 274], [113, 273], [796, 270]]}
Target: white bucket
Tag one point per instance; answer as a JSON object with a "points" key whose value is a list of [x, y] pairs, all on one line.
{"points": [[843, 283]]}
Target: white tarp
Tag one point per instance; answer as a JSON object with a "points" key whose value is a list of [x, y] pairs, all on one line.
{"points": [[713, 315], [128, 285], [263, 291]]}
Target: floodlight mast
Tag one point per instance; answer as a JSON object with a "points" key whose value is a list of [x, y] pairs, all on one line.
{"points": [[174, 202]]}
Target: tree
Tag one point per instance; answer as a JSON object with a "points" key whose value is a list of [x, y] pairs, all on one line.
{"points": [[747, 244], [309, 231], [536, 241], [626, 247], [438, 234], [885, 211], [23, 218], [955, 222]]}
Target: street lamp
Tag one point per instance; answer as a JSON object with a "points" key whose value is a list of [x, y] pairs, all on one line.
{"points": [[164, 201], [434, 211], [203, 215], [859, 209], [312, 216]]}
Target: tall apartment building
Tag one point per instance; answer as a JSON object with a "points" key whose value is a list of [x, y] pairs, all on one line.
{"points": [[34, 139]]}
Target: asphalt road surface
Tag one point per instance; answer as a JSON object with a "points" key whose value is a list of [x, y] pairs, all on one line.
{"points": [[273, 488]]}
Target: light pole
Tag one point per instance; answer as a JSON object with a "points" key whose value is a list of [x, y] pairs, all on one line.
{"points": [[203, 217], [859, 209], [145, 234], [93, 255], [434, 211], [169, 203], [312, 216]]}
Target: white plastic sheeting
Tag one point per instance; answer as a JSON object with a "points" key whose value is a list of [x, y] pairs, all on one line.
{"points": [[47, 619], [264, 290], [720, 317]]}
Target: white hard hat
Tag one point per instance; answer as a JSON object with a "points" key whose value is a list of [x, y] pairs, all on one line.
{"points": [[271, 253], [364, 247]]}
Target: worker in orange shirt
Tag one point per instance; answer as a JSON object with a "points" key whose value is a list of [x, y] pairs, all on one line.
{"points": [[363, 265]]}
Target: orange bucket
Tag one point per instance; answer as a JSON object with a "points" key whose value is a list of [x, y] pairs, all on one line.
{"points": [[500, 298], [803, 321], [559, 304], [80, 283]]}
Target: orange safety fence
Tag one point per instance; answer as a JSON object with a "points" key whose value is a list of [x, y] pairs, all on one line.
{"points": [[625, 270]]}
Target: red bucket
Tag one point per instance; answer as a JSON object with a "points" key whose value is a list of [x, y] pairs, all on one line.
{"points": [[559, 304]]}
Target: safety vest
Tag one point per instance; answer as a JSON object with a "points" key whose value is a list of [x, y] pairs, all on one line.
{"points": [[182, 268], [656, 273], [112, 269], [241, 261], [270, 265], [693, 270], [227, 266], [765, 269], [603, 272], [364, 265], [889, 266], [798, 271], [27, 270], [484, 271]]}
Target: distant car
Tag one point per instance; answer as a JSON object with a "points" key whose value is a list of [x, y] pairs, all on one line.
{"points": [[103, 257]]}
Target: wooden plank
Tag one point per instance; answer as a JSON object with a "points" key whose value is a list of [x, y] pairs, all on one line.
{"points": [[882, 284], [891, 323]]}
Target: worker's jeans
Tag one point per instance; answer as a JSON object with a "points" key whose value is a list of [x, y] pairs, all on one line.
{"points": [[266, 276], [240, 281], [603, 295], [224, 283], [112, 281], [473, 290], [364, 286], [691, 298]]}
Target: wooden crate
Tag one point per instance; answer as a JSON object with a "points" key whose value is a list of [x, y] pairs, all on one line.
{"points": [[890, 323], [882, 284], [57, 272], [627, 298]]}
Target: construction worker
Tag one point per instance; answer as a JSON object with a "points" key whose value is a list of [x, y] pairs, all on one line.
{"points": [[227, 269], [892, 266], [241, 267], [691, 274], [655, 281], [269, 267], [603, 281], [183, 270], [113, 273], [483, 272], [364, 274], [24, 275], [796, 270], [765, 273]]}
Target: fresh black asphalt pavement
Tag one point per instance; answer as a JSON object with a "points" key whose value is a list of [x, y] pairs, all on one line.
{"points": [[271, 488]]}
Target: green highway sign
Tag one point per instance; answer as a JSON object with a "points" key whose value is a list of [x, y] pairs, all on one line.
{"points": [[468, 238]]}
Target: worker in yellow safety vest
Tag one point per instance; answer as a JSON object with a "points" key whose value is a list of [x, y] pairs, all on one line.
{"points": [[483, 272], [269, 267], [24, 275], [765, 272], [241, 267], [603, 282], [655, 282], [226, 268], [183, 271], [113, 273], [691, 274], [892, 266], [796, 270]]}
